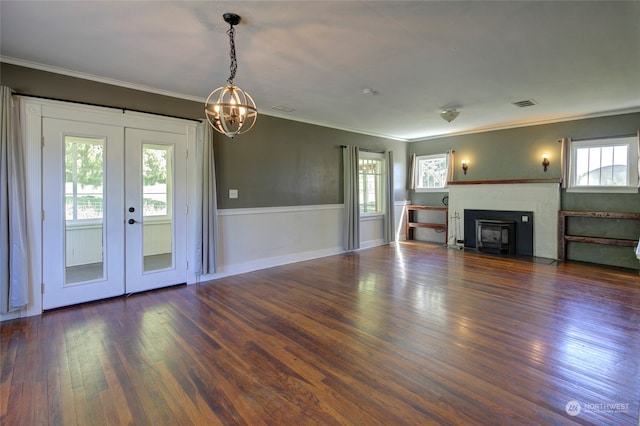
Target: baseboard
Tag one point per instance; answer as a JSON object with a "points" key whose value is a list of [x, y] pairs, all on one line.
{"points": [[241, 268]]}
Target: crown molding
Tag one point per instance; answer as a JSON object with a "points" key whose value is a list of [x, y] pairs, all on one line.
{"points": [[486, 129], [98, 79]]}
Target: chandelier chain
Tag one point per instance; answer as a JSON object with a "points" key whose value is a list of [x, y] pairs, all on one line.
{"points": [[232, 54]]}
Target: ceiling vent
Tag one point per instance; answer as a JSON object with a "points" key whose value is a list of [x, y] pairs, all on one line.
{"points": [[525, 103], [282, 108]]}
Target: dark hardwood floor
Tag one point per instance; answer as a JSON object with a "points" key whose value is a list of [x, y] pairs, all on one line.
{"points": [[402, 334]]}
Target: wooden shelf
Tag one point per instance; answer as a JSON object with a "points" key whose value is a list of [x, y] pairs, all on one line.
{"points": [[503, 181], [604, 241], [439, 226], [563, 238], [412, 224]]}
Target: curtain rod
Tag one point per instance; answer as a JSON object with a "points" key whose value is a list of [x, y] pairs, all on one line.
{"points": [[366, 150], [105, 106], [605, 137]]}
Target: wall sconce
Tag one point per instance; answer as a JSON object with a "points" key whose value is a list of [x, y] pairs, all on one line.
{"points": [[465, 166], [545, 161]]}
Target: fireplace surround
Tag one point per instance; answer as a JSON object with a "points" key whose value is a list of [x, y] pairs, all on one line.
{"points": [[522, 223], [541, 198]]}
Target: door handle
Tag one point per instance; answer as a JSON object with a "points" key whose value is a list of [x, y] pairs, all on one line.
{"points": [[132, 221]]}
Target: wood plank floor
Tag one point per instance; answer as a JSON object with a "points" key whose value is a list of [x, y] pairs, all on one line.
{"points": [[402, 334]]}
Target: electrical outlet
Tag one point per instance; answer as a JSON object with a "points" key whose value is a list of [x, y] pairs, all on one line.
{"points": [[233, 193], [525, 218]]}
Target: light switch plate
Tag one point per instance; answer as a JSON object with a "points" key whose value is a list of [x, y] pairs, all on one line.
{"points": [[233, 193]]}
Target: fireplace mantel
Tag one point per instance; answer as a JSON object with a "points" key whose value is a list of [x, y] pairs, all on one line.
{"points": [[503, 181]]}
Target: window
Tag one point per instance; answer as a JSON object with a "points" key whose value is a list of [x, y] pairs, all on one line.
{"points": [[156, 189], [604, 165], [431, 172], [84, 178], [371, 182]]}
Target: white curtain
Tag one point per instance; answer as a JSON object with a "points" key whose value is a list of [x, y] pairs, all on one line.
{"points": [[564, 161], [450, 166], [389, 220], [206, 203], [351, 231], [14, 287], [411, 176]]}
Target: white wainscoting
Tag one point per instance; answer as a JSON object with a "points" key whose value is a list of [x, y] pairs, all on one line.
{"points": [[157, 237], [83, 244], [371, 231], [400, 217], [257, 238], [543, 199]]}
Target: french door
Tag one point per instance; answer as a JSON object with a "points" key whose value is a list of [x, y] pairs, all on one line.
{"points": [[114, 211], [155, 204]]}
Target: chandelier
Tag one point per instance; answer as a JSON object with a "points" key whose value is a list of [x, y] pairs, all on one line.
{"points": [[229, 109]]}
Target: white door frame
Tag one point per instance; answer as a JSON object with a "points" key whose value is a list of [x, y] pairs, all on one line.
{"points": [[137, 278], [32, 111], [55, 228]]}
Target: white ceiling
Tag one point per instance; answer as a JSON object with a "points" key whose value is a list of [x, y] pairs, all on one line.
{"points": [[575, 59]]}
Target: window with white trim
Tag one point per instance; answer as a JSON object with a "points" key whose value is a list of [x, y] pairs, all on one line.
{"points": [[431, 172], [157, 181], [604, 165], [371, 182], [84, 178]]}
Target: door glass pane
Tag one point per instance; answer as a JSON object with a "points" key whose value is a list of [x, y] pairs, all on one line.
{"points": [[84, 195], [157, 204]]}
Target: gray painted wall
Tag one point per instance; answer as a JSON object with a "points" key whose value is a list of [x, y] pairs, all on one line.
{"points": [[517, 154], [287, 163]]}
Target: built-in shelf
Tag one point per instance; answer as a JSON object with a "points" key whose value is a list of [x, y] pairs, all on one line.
{"points": [[503, 181], [563, 238], [412, 223]]}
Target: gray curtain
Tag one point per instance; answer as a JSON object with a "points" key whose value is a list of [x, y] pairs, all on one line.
{"points": [[351, 231], [638, 161], [564, 161], [206, 203], [389, 220], [14, 266]]}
